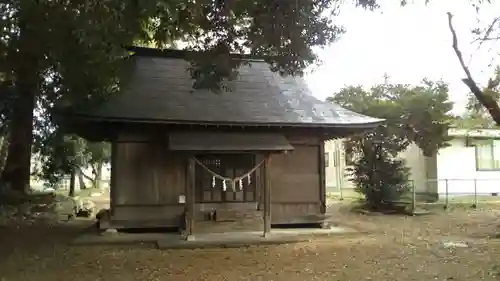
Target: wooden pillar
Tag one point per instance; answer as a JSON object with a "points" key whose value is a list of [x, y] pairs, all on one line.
{"points": [[112, 181], [322, 176], [267, 196], [190, 199]]}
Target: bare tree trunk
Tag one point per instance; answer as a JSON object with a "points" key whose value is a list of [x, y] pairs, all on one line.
{"points": [[17, 168], [25, 66], [486, 100], [4, 148], [72, 183], [98, 176], [81, 180]]}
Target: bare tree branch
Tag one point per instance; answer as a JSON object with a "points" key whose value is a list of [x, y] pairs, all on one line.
{"points": [[483, 39], [488, 31], [486, 100], [84, 175]]}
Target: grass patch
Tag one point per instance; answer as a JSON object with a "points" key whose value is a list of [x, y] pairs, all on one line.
{"points": [[424, 202]]}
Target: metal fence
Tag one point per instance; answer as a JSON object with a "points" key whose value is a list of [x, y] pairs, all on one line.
{"points": [[438, 192], [64, 184]]}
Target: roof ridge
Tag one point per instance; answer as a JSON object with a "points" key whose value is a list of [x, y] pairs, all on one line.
{"points": [[184, 54]]}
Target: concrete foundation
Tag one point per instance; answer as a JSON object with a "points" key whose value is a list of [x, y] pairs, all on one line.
{"points": [[215, 240]]}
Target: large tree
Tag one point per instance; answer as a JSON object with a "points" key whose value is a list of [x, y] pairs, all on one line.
{"points": [[59, 49], [414, 114]]}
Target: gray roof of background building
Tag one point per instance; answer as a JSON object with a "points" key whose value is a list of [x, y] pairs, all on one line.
{"points": [[160, 90]]}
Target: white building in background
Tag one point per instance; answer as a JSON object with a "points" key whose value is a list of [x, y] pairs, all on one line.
{"points": [[470, 164], [335, 164]]}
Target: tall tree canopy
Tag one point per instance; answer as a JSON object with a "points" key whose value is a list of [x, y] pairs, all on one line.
{"points": [[414, 114], [420, 114]]}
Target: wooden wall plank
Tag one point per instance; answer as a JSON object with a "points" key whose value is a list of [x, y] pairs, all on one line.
{"points": [[147, 174], [322, 176], [267, 196], [295, 175]]}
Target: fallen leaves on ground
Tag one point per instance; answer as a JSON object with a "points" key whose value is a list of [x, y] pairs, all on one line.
{"points": [[395, 248]]}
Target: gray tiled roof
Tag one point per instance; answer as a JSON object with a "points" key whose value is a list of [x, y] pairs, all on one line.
{"points": [[160, 90]]}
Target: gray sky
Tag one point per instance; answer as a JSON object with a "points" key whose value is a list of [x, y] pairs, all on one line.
{"points": [[408, 44]]}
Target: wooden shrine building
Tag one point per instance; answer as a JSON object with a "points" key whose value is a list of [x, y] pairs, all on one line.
{"points": [[239, 160]]}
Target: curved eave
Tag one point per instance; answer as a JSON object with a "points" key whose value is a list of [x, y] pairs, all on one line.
{"points": [[369, 124], [98, 129]]}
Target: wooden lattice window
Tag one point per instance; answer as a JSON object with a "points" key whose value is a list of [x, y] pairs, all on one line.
{"points": [[210, 189]]}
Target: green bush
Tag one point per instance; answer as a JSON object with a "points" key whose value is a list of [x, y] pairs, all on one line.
{"points": [[381, 178]]}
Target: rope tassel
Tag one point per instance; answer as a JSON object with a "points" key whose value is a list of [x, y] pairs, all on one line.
{"points": [[231, 180]]}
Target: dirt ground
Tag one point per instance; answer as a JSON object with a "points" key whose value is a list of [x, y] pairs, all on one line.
{"points": [[395, 248]]}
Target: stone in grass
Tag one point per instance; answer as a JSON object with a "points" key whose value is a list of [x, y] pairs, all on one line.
{"points": [[455, 244], [86, 208], [110, 231], [190, 238], [95, 194]]}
